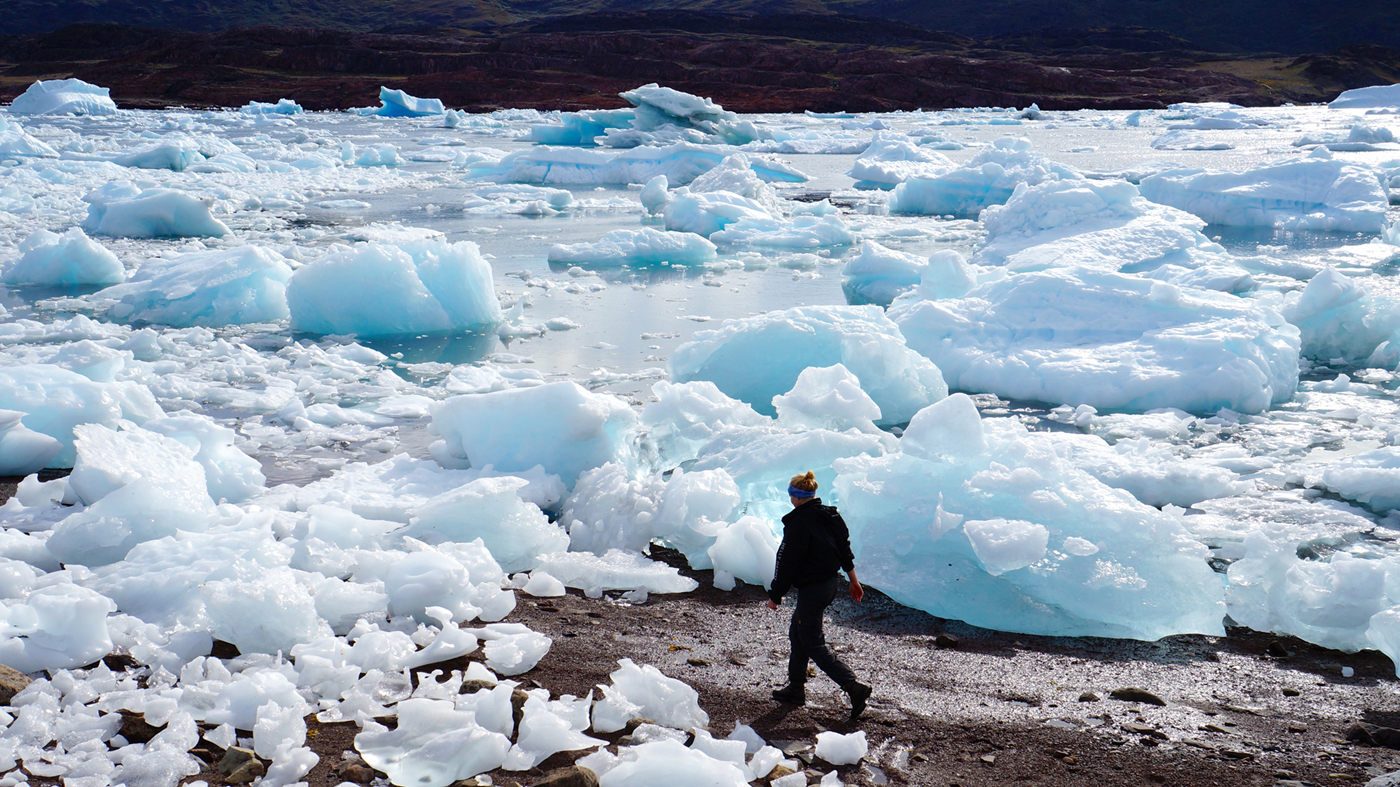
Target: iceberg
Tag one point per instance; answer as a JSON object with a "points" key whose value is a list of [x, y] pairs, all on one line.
{"points": [[559, 426], [878, 275], [398, 104], [68, 260], [892, 159], [517, 533], [581, 128], [175, 156], [1109, 340], [284, 106], [636, 248], [989, 178], [246, 284], [16, 144], [229, 474], [1313, 193], [799, 232], [981, 521], [382, 289], [660, 116], [1361, 137], [681, 163], [757, 358], [22, 450], [706, 213], [125, 210], [1338, 318], [1376, 96], [1100, 224], [55, 400], [64, 97]]}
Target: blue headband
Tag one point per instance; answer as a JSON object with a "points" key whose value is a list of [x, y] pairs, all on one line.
{"points": [[800, 493]]}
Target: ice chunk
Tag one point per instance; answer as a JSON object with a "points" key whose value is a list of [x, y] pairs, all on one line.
{"points": [[681, 163], [827, 398], [109, 460], [433, 745], [68, 260], [428, 286], [662, 699], [264, 614], [745, 550], [1368, 97], [229, 474], [398, 104], [686, 415], [516, 532], [15, 143], [877, 275], [23, 451], [1338, 318], [276, 726], [989, 178], [1371, 478], [284, 106], [543, 733], [615, 570], [1328, 602], [735, 175], [543, 585], [121, 209], [559, 426], [55, 399], [1310, 193], [430, 578], [911, 510], [240, 699], [654, 196], [176, 156], [1153, 474], [670, 762], [637, 248], [64, 97], [800, 232], [56, 626], [512, 648], [235, 286], [892, 159], [581, 128], [289, 763], [839, 749], [706, 213], [1113, 341], [1105, 225], [757, 358]]}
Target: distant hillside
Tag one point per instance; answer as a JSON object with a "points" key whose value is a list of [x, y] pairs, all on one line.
{"points": [[1289, 27]]}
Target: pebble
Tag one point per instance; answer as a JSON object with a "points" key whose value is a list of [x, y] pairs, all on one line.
{"points": [[946, 641], [1291, 692], [989, 759], [1088, 696], [1143, 729], [1135, 694]]}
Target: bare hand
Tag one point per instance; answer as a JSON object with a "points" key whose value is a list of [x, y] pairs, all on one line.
{"points": [[857, 592], [771, 605]]}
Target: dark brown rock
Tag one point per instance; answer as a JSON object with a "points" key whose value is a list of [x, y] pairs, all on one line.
{"points": [[1143, 729], [946, 641], [1088, 696], [1135, 694], [475, 685], [240, 766], [135, 729], [573, 776], [1276, 650], [12, 682]]}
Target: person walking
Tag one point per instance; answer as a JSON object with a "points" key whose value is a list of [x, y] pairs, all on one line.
{"points": [[816, 544]]}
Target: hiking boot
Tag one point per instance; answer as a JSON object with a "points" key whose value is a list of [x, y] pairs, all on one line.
{"points": [[860, 694], [792, 694]]}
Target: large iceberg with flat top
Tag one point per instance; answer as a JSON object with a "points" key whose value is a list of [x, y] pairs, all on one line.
{"points": [[383, 289], [1373, 97], [245, 284], [981, 521], [681, 163], [68, 260], [1313, 193], [757, 358], [1109, 340], [988, 179], [126, 210], [64, 97]]}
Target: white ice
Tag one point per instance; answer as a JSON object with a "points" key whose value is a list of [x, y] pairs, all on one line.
{"points": [[126, 210], [68, 260], [64, 97], [245, 284], [989, 178], [397, 103], [635, 248], [1368, 97]]}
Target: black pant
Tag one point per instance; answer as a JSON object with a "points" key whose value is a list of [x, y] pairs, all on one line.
{"points": [[808, 641]]}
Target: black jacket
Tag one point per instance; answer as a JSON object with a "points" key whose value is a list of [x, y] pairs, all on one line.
{"points": [[815, 545]]}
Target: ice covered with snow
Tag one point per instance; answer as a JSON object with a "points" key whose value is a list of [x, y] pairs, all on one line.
{"points": [[68, 260], [1368, 97], [386, 289], [397, 104], [635, 248], [1000, 505], [16, 143], [245, 284], [893, 159], [1316, 192], [757, 358], [989, 178], [1109, 340], [123, 209], [64, 97]]}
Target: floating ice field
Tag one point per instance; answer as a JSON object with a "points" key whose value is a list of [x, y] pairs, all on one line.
{"points": [[336, 387]]}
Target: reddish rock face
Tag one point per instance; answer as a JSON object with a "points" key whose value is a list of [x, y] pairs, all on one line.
{"points": [[323, 69]]}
